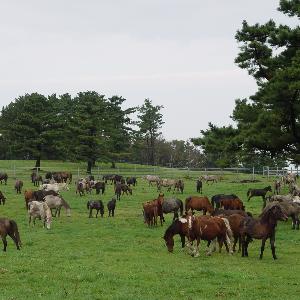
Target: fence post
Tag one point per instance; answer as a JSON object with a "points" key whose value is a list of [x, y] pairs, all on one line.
{"points": [[78, 175], [98, 173], [253, 173], [268, 172], [14, 170]]}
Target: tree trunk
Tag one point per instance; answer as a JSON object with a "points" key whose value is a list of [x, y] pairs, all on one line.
{"points": [[89, 167]]}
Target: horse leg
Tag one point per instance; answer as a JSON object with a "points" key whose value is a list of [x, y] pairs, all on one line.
{"points": [[262, 248], [12, 235], [4, 243], [293, 221], [90, 212], [272, 242], [196, 250], [211, 247], [97, 213]]}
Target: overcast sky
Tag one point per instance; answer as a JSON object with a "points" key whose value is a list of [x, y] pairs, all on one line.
{"points": [[178, 53]]}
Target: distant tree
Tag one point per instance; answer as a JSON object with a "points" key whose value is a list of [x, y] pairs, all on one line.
{"points": [[25, 125], [150, 121]]}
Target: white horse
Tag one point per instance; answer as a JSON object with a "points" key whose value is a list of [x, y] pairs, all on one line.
{"points": [[56, 187], [57, 202], [40, 210], [152, 179]]}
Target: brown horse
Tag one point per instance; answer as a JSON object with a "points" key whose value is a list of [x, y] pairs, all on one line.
{"points": [[19, 186], [262, 228], [150, 213], [209, 229], [198, 203], [2, 198], [9, 227], [232, 204]]}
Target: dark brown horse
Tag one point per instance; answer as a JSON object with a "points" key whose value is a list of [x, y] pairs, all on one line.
{"points": [[198, 203], [2, 198], [9, 227], [232, 204], [98, 205], [259, 193], [150, 213], [19, 186], [3, 176], [262, 228]]}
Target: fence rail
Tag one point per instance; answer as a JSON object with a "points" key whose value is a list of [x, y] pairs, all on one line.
{"points": [[79, 172]]}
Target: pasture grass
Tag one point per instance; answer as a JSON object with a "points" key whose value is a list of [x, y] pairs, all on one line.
{"points": [[120, 258]]}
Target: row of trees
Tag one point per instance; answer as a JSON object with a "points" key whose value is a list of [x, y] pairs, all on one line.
{"points": [[88, 127], [268, 123]]}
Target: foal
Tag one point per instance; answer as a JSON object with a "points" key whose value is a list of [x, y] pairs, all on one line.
{"points": [[9, 227]]}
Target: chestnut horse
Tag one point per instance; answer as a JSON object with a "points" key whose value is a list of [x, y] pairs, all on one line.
{"points": [[199, 228], [9, 227], [262, 228], [198, 203], [232, 204]]}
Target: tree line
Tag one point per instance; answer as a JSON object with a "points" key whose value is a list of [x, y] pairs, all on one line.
{"points": [[88, 127], [267, 124]]}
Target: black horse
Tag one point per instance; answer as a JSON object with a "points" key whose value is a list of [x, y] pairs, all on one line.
{"points": [[98, 205], [259, 193], [111, 206], [99, 186], [3, 176], [199, 186], [2, 198]]}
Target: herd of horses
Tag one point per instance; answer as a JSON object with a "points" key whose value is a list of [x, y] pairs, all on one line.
{"points": [[224, 219]]}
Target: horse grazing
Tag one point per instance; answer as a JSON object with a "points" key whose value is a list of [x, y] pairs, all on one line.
{"points": [[56, 202], [111, 206], [199, 186], [36, 179], [216, 199], [99, 186], [152, 179], [198, 203], [262, 228], [170, 205], [40, 210], [9, 227], [199, 228], [56, 187], [98, 205], [259, 192], [131, 181], [232, 204], [2, 198], [209, 178], [4, 177], [179, 186], [18, 186]]}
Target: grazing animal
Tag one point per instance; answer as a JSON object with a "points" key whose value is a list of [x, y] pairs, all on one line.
{"points": [[108, 177], [99, 186], [98, 205], [126, 189], [3, 177], [198, 203], [111, 206], [56, 202], [9, 227], [209, 178], [2, 198], [277, 187], [40, 194], [259, 192], [262, 228], [216, 199], [200, 228], [228, 212], [118, 191], [199, 186], [131, 181], [171, 205], [40, 210], [56, 187], [152, 179], [232, 204], [80, 187], [119, 179], [179, 186], [150, 213], [36, 179], [18, 186]]}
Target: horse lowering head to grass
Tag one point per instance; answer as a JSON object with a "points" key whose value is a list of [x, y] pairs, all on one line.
{"points": [[198, 203], [259, 193]]}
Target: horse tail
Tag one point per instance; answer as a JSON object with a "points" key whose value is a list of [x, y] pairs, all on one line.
{"points": [[14, 226], [229, 234], [213, 201], [187, 200]]}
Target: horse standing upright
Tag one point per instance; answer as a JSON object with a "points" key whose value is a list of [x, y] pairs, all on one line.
{"points": [[198, 203], [9, 227], [2, 198], [262, 228], [4, 177], [259, 193], [57, 202], [18, 186], [98, 205]]}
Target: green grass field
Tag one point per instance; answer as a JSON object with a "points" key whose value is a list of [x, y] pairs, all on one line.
{"points": [[120, 258]]}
